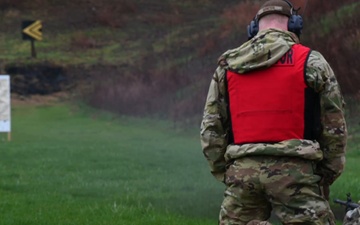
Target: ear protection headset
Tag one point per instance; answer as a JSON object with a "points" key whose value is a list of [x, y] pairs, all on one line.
{"points": [[295, 23]]}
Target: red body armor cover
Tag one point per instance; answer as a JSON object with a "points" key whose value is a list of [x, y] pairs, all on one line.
{"points": [[268, 105]]}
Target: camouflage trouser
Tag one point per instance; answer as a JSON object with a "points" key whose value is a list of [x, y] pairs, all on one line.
{"points": [[256, 186]]}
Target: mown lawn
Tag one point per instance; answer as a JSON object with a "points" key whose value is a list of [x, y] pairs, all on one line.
{"points": [[68, 166], [63, 166]]}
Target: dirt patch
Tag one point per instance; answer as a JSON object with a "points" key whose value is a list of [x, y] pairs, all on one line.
{"points": [[39, 79]]}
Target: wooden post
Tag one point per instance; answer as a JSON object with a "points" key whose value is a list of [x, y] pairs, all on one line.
{"points": [[9, 136], [33, 51]]}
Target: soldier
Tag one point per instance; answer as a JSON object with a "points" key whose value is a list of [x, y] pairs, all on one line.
{"points": [[273, 128]]}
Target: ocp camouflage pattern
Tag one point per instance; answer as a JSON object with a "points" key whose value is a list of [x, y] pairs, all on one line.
{"points": [[286, 186], [261, 52], [352, 217]]}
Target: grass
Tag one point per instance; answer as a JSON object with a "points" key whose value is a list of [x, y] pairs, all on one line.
{"points": [[70, 166], [67, 167], [158, 28]]}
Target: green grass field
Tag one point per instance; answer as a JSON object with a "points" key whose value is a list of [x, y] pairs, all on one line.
{"points": [[66, 165]]}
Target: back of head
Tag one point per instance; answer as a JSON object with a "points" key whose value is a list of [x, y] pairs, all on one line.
{"points": [[280, 7], [282, 10], [276, 21]]}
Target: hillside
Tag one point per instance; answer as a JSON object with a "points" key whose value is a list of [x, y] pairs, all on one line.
{"points": [[154, 57]]}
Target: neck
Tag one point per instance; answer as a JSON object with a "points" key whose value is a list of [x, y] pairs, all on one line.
{"points": [[266, 26]]}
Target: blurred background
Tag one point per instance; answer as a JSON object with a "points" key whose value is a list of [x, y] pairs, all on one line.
{"points": [[154, 58]]}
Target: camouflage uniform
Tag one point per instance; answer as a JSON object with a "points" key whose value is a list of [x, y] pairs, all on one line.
{"points": [[352, 217], [284, 176]]}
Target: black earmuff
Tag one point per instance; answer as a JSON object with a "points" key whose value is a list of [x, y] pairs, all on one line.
{"points": [[295, 23], [252, 28]]}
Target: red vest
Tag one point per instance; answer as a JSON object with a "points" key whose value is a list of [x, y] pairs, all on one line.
{"points": [[269, 105]]}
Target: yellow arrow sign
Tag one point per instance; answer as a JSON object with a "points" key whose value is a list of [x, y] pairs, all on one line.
{"points": [[34, 30]]}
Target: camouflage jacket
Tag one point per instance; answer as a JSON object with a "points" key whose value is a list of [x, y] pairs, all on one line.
{"points": [[328, 150]]}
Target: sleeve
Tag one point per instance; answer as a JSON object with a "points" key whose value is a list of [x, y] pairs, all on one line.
{"points": [[215, 125], [334, 132]]}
